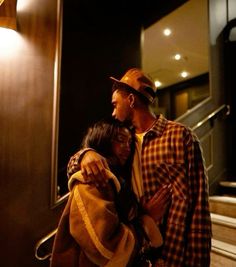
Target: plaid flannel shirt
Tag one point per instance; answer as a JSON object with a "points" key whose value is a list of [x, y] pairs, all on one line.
{"points": [[171, 153]]}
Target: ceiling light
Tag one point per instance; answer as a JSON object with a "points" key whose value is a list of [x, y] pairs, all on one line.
{"points": [[177, 57], [8, 14], [157, 83], [184, 74], [167, 32]]}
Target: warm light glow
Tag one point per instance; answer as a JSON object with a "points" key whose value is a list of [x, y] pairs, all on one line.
{"points": [[1, 1], [177, 57], [157, 83], [167, 32], [23, 6], [11, 41], [184, 74]]}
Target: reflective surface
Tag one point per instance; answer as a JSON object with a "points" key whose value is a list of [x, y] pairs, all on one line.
{"points": [[185, 49]]}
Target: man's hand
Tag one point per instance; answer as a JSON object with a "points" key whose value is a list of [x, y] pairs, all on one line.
{"points": [[157, 205], [93, 167]]}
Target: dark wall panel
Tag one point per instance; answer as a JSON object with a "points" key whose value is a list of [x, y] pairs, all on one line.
{"points": [[98, 42]]}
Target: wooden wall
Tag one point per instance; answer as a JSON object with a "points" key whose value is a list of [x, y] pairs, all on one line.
{"points": [[100, 43], [26, 101]]}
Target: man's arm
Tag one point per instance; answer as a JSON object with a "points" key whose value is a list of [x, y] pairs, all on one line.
{"points": [[91, 164], [199, 235]]}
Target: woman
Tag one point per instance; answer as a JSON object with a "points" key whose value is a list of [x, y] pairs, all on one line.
{"points": [[104, 227]]}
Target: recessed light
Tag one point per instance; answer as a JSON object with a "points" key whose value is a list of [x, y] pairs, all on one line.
{"points": [[184, 74], [177, 56], [157, 83], [167, 32]]}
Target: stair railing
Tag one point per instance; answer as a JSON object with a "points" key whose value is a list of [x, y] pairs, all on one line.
{"points": [[212, 115], [41, 242]]}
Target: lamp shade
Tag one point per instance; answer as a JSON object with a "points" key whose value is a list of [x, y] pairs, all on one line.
{"points": [[8, 14]]}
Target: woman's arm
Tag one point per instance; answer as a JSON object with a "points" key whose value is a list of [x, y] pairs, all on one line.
{"points": [[95, 225], [156, 207]]}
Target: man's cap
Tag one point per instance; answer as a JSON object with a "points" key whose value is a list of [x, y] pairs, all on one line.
{"points": [[139, 81]]}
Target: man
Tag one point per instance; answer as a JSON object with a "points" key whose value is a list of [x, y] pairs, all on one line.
{"points": [[167, 152]]}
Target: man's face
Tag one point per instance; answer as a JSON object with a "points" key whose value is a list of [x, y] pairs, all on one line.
{"points": [[121, 106]]}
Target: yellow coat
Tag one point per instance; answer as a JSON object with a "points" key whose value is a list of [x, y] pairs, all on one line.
{"points": [[89, 232]]}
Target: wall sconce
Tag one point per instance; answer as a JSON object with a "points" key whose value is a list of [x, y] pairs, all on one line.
{"points": [[8, 14]]}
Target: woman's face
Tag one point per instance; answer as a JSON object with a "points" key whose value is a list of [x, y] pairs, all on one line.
{"points": [[121, 145]]}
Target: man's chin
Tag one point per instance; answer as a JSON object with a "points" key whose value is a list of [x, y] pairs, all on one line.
{"points": [[128, 122]]}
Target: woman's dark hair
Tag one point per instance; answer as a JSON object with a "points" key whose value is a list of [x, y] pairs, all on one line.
{"points": [[99, 137]]}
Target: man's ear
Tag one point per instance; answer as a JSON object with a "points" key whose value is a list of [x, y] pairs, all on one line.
{"points": [[131, 98]]}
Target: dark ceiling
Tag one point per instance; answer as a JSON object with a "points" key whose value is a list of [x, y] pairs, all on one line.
{"points": [[145, 12], [152, 10]]}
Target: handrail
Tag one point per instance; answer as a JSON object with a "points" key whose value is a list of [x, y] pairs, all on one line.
{"points": [[212, 115], [40, 242]]}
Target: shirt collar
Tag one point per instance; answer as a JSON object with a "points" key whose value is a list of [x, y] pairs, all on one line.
{"points": [[159, 127]]}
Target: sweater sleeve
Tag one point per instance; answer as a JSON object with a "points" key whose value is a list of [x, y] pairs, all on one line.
{"points": [[199, 235], [95, 226]]}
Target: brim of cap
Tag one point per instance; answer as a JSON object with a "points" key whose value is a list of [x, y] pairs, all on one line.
{"points": [[114, 79], [118, 81]]}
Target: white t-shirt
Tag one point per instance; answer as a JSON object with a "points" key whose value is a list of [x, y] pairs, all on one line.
{"points": [[137, 181]]}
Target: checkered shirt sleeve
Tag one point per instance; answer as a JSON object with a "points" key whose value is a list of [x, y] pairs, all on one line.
{"points": [[74, 162]]}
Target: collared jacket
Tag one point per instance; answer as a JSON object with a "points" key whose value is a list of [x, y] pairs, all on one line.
{"points": [[171, 154], [90, 232]]}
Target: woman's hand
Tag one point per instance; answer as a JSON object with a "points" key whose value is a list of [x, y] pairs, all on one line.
{"points": [[157, 205]]}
